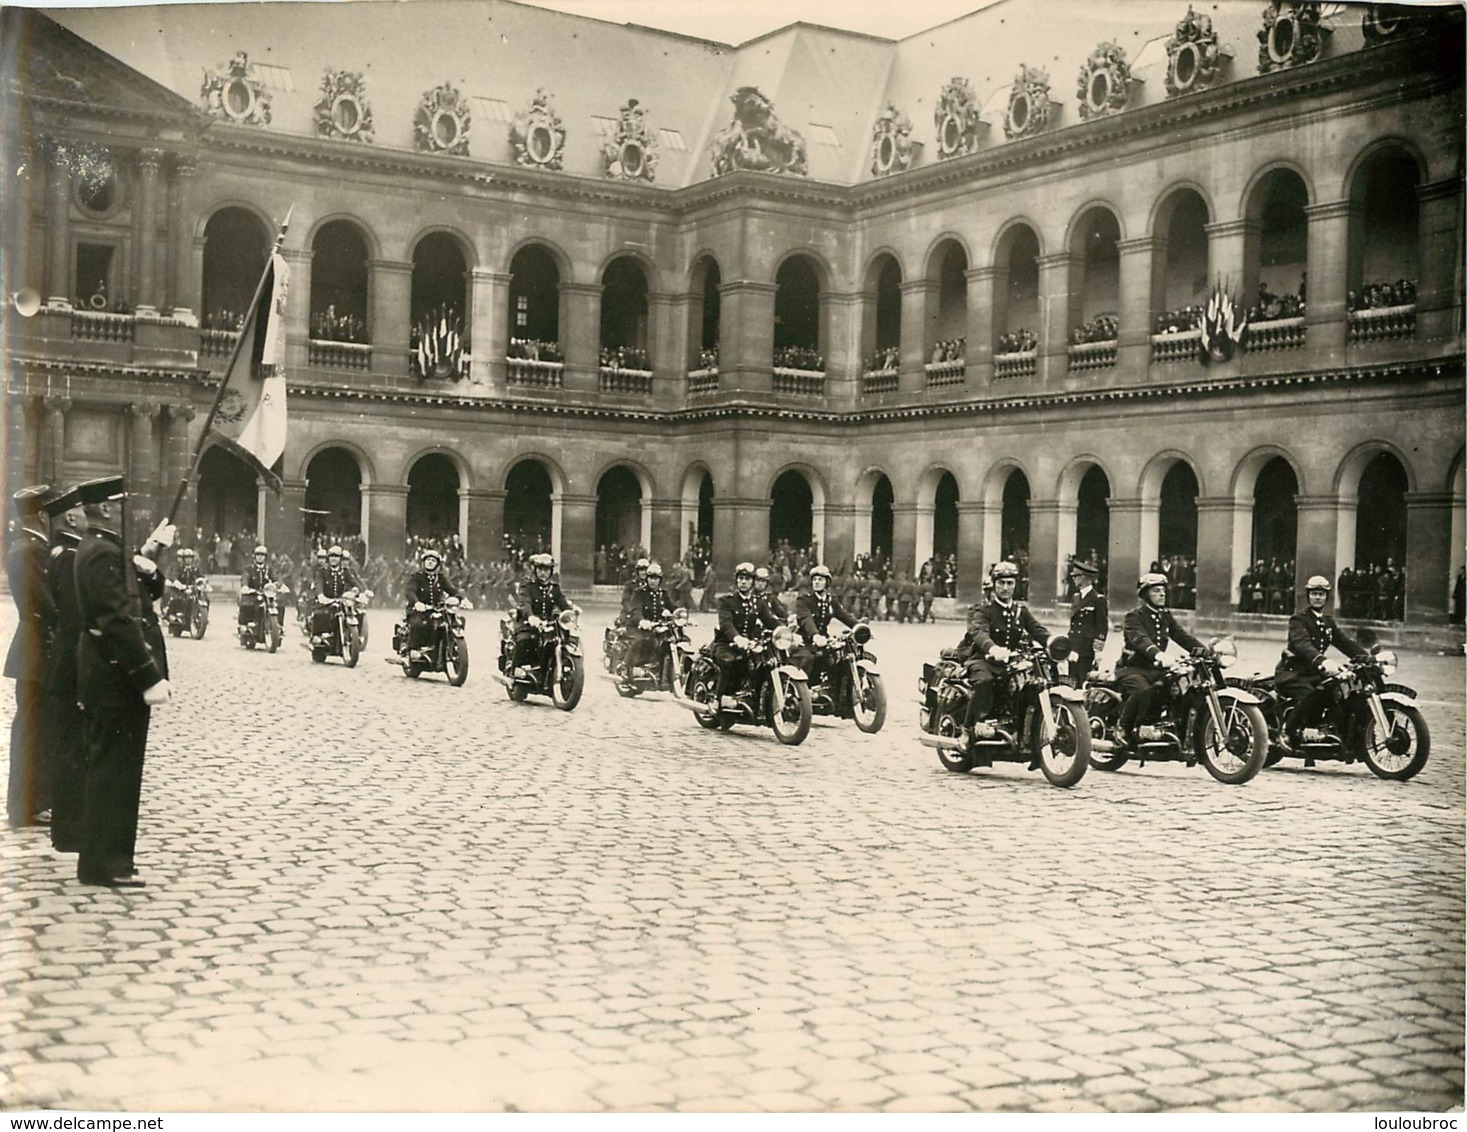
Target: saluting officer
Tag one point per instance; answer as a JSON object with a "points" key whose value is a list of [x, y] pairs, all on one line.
{"points": [[741, 616], [1150, 627], [64, 722], [1302, 668], [28, 792], [996, 630], [1089, 621], [122, 674], [540, 600]]}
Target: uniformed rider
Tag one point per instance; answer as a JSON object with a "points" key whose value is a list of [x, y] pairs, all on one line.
{"points": [[814, 611], [337, 579], [995, 631], [765, 591], [1149, 628], [427, 587], [1089, 621], [540, 602], [742, 617], [650, 605], [629, 591], [1302, 669], [252, 585]]}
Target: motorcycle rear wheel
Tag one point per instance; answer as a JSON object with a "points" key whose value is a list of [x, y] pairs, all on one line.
{"points": [[869, 703], [702, 688], [1408, 733], [1069, 748], [1239, 755], [953, 759], [566, 692], [200, 624], [1103, 709], [456, 660]]}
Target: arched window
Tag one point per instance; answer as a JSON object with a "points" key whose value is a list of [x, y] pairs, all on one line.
{"points": [[1384, 246], [235, 246], [1016, 293], [439, 304], [1095, 289], [882, 334], [1182, 268], [705, 326], [1279, 255], [534, 305], [624, 316], [339, 284], [797, 316]]}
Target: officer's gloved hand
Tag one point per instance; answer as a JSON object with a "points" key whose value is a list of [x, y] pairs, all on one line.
{"points": [[322, 599], [1167, 661], [820, 640], [742, 642], [535, 622], [1333, 667], [998, 652], [420, 607], [157, 695], [144, 564], [163, 534], [644, 624]]}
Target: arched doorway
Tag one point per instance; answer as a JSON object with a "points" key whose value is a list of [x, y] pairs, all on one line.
{"points": [[1380, 540], [696, 517], [791, 511], [229, 500], [1279, 247], [882, 519], [945, 517], [433, 510], [705, 323], [619, 513], [1177, 533], [333, 497], [439, 301], [797, 316], [1092, 522], [235, 246], [1014, 527], [339, 284], [529, 510], [1275, 532], [534, 301]]}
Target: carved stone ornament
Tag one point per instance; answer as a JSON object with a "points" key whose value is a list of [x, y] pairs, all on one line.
{"points": [[1382, 22], [1194, 57], [441, 123], [756, 139], [1291, 35], [342, 111], [631, 153], [891, 143], [233, 94], [956, 118], [1105, 82], [537, 136], [1029, 104]]}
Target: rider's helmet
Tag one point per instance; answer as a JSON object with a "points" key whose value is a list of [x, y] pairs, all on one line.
{"points": [[641, 566], [1149, 580], [762, 574], [821, 572], [1317, 582], [430, 553], [542, 561], [1004, 570], [320, 553], [186, 552], [334, 552], [744, 568], [261, 551], [654, 571]]}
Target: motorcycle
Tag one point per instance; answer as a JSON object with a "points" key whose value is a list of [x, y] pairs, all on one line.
{"points": [[775, 694], [1036, 719], [858, 693], [563, 678], [188, 608], [1197, 716], [264, 627], [446, 652], [343, 636], [675, 653], [1367, 719]]}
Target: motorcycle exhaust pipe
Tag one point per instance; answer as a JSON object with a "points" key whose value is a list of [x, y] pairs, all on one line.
{"points": [[929, 740], [1104, 746]]}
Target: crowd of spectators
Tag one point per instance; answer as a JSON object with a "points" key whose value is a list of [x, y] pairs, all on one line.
{"points": [[612, 564], [1176, 321], [624, 357], [325, 538], [798, 357], [887, 360], [1018, 342], [328, 326], [533, 349], [948, 350], [1101, 328], [708, 357], [225, 319], [1376, 592], [1268, 587], [1181, 571], [1270, 306], [1373, 296]]}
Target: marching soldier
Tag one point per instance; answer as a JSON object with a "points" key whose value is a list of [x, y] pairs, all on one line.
{"points": [[122, 674], [63, 718], [1089, 621], [28, 792]]}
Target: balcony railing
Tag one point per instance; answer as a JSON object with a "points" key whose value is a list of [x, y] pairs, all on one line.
{"points": [[1377, 324], [804, 382], [217, 343], [952, 372], [702, 381], [1024, 363], [531, 371], [880, 381], [339, 355], [1092, 355], [102, 326], [1276, 334], [1176, 345], [614, 379]]}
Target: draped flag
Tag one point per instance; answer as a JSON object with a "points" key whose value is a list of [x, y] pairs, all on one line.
{"points": [[1223, 331], [250, 418]]}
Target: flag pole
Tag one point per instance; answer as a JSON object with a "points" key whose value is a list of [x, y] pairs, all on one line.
{"points": [[239, 344]]}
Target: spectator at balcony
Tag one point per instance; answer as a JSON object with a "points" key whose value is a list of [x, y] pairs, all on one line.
{"points": [[799, 357], [1178, 321], [1018, 342], [950, 350], [886, 360], [1102, 328]]}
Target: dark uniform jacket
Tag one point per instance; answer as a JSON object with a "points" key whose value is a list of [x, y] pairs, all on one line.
{"points": [[743, 615], [1006, 625], [629, 594], [649, 605], [1089, 621], [120, 652], [540, 601], [61, 581], [334, 583], [254, 579], [188, 575], [429, 588], [1310, 635], [25, 567], [776, 606], [1148, 632], [816, 611]]}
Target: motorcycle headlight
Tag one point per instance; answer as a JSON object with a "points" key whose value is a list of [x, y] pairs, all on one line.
{"points": [[1387, 660], [784, 638], [1226, 652], [861, 633], [680, 617], [569, 619]]}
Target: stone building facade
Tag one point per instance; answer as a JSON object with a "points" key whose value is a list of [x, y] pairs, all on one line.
{"points": [[964, 314]]}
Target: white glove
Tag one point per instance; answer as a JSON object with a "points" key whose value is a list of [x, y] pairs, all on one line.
{"points": [[1166, 661], [144, 564], [157, 694], [644, 625], [1333, 667], [450, 601], [419, 607], [535, 622], [743, 643], [998, 652], [322, 599], [466, 605], [245, 590], [820, 640], [353, 592], [163, 534]]}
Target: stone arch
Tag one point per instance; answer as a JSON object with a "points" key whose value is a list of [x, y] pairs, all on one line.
{"points": [[881, 324], [457, 510], [519, 511], [1250, 202], [869, 526], [691, 517], [650, 270], [1015, 300], [705, 318], [937, 250], [1244, 482], [1150, 489], [1076, 228], [365, 230], [460, 464], [1385, 222], [1078, 521], [364, 462], [994, 484], [336, 497], [1181, 253], [818, 496], [464, 244], [1375, 148], [236, 247], [1166, 201], [227, 495], [644, 482], [1347, 485], [268, 222], [824, 273], [802, 320], [1009, 231], [564, 265], [933, 520]]}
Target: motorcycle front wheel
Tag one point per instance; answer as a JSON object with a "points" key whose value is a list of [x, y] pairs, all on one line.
{"points": [[1067, 757], [456, 660], [273, 638], [353, 651], [566, 692], [1402, 753], [868, 703], [792, 723], [1237, 755], [200, 623]]}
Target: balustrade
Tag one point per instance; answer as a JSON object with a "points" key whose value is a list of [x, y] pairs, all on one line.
{"points": [[1092, 355], [1276, 334], [804, 382], [946, 373], [339, 355], [217, 343], [1023, 363], [102, 326], [614, 379], [880, 381], [1377, 324], [532, 371], [1176, 345], [702, 381]]}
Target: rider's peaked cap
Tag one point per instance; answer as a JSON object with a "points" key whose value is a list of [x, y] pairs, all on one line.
{"points": [[61, 502], [1078, 567], [103, 489]]}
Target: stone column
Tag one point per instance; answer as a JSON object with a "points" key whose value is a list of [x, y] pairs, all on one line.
{"points": [[183, 280], [142, 471], [21, 448], [577, 540], [1055, 274], [15, 228], [666, 334], [390, 285], [1124, 552], [485, 538], [284, 528], [1315, 547], [146, 289], [1044, 520], [580, 335], [904, 537], [53, 453], [1428, 556], [58, 286], [386, 528], [297, 305], [840, 344], [917, 309], [983, 286], [1217, 574], [971, 514], [746, 336], [740, 532], [665, 545], [179, 454], [1328, 279], [1439, 240], [1133, 351], [489, 329]]}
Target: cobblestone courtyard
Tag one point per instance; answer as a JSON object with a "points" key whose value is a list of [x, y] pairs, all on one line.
{"points": [[371, 893]]}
